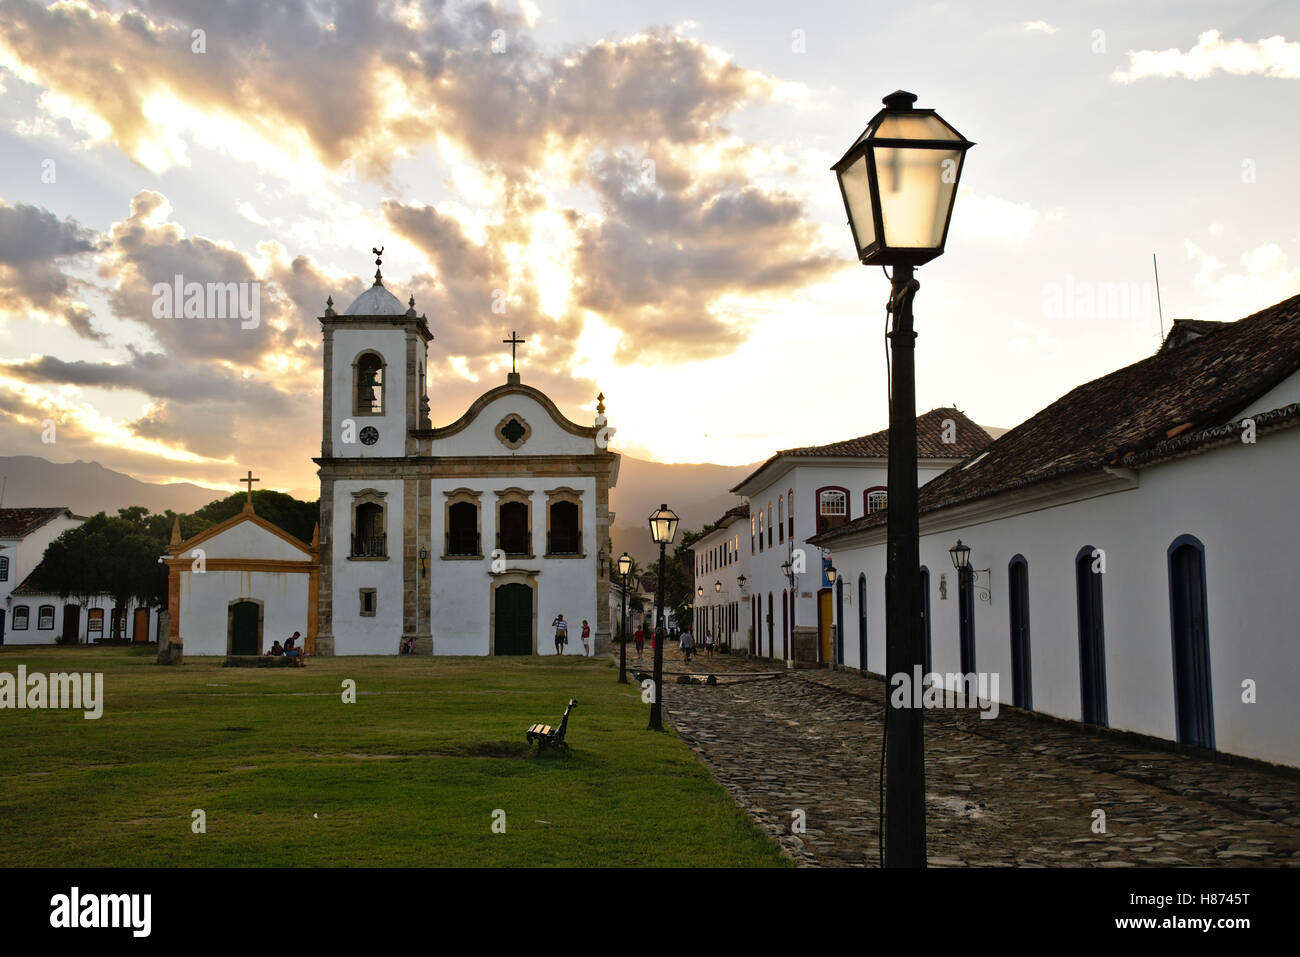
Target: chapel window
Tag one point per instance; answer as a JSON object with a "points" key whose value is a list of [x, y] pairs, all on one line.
{"points": [[564, 536], [514, 536], [832, 508], [462, 529]]}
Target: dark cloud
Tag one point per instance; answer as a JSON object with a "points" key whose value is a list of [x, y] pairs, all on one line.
{"points": [[36, 247]]}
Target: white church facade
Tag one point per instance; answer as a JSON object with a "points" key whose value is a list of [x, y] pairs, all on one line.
{"points": [[1131, 549], [464, 539]]}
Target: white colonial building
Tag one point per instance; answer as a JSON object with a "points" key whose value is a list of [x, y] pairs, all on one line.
{"points": [[464, 539], [238, 587], [1132, 547], [801, 492], [722, 582], [30, 615]]}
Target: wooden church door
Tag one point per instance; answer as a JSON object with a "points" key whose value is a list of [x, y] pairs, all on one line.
{"points": [[245, 637], [514, 620]]}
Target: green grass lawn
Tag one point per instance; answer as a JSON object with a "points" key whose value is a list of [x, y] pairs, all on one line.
{"points": [[409, 775]]}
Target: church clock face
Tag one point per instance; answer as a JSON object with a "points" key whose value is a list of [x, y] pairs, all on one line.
{"points": [[369, 435]]}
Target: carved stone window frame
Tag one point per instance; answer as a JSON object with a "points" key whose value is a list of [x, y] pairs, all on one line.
{"points": [[459, 496], [512, 446], [356, 383], [369, 496], [564, 494], [516, 494]]}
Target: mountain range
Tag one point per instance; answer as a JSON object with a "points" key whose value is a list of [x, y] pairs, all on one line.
{"points": [[698, 493]]}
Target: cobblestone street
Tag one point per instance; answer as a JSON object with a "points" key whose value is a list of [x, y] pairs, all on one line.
{"points": [[1017, 790]]}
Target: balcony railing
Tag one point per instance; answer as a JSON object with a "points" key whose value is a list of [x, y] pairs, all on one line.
{"points": [[370, 546], [516, 543], [462, 542], [564, 543]]}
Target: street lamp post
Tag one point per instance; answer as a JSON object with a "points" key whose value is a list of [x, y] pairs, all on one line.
{"points": [[663, 529], [898, 182], [624, 569]]}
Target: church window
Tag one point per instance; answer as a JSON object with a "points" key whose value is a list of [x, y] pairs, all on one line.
{"points": [[514, 522], [20, 617], [563, 521], [874, 499], [780, 519], [769, 523], [832, 508], [369, 536], [367, 603], [4, 569], [760, 529], [95, 623], [462, 529], [565, 538], [368, 379], [789, 510], [45, 618]]}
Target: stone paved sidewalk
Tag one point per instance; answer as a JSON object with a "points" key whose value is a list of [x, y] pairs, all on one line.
{"points": [[1017, 790]]}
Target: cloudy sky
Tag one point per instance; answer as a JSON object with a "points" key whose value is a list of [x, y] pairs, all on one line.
{"points": [[644, 186]]}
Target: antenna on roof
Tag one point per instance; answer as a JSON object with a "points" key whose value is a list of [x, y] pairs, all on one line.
{"points": [[1160, 307]]}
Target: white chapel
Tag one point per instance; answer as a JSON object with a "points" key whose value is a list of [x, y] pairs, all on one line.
{"points": [[462, 539]]}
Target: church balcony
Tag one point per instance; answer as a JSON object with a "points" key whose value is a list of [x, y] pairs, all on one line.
{"points": [[563, 545], [516, 543], [370, 546], [462, 544]]}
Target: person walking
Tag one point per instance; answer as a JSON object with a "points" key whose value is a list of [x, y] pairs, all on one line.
{"points": [[688, 645], [639, 638], [708, 643], [561, 633], [586, 638]]}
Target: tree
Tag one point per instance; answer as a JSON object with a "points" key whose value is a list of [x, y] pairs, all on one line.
{"points": [[679, 579], [117, 557]]}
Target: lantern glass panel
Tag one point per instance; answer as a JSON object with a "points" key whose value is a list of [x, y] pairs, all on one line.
{"points": [[916, 187], [911, 127], [857, 194]]}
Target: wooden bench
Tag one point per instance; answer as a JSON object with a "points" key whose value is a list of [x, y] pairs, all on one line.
{"points": [[546, 736]]}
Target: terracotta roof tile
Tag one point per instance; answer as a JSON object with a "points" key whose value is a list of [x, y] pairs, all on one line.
{"points": [[1132, 416], [20, 522]]}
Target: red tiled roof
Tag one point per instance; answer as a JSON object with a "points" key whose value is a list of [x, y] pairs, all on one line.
{"points": [[1181, 398], [21, 522], [968, 438]]}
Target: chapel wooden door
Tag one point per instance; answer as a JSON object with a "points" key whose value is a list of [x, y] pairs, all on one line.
{"points": [[514, 620], [245, 637]]}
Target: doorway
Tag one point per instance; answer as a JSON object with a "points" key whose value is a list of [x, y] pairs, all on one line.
{"points": [[245, 628], [513, 633], [71, 624], [1193, 708]]}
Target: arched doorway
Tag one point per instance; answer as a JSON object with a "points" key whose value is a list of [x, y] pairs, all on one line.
{"points": [[1018, 590], [244, 628], [513, 619], [1092, 644], [1193, 705], [771, 627], [785, 624], [862, 621], [925, 615], [966, 620]]}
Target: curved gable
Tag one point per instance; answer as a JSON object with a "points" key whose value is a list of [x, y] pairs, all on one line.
{"points": [[529, 423]]}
